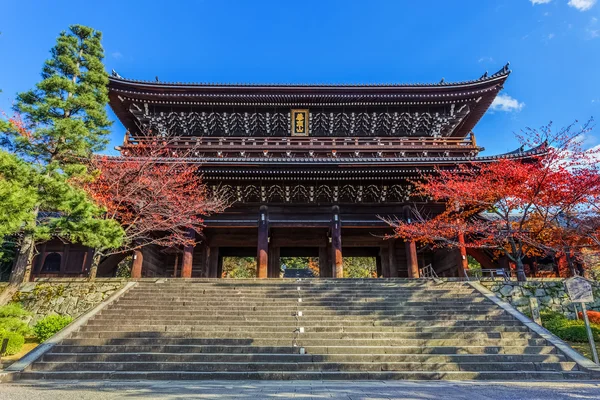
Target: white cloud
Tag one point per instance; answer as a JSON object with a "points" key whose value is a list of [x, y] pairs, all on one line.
{"points": [[504, 102], [551, 36], [534, 2], [116, 55], [582, 5], [485, 60], [592, 29]]}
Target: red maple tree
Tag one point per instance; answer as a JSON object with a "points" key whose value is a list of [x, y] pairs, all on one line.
{"points": [[515, 206], [157, 198]]}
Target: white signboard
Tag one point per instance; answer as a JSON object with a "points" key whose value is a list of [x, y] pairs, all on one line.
{"points": [[580, 290]]}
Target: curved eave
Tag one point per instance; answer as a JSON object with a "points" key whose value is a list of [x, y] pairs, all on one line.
{"points": [[347, 162], [478, 93]]}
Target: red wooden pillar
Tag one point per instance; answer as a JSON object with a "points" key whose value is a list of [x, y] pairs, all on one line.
{"points": [[262, 253], [336, 244], [463, 265], [188, 257], [411, 259], [138, 260]]}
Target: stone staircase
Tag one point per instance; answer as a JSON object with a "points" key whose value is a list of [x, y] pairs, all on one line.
{"points": [[349, 329]]}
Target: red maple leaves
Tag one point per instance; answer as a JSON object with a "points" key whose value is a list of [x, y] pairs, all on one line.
{"points": [[536, 203]]}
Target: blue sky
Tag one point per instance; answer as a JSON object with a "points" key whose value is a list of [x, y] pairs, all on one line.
{"points": [[553, 47]]}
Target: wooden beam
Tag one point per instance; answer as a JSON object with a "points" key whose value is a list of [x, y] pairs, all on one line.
{"points": [[324, 266], [411, 259], [262, 251]]}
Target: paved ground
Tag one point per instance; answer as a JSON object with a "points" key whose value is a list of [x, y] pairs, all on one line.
{"points": [[375, 390]]}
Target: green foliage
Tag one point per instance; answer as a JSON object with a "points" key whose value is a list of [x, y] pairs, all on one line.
{"points": [[17, 325], [295, 262], [13, 310], [59, 125], [48, 326], [239, 267], [12, 319], [474, 265], [67, 109], [360, 267], [124, 268], [15, 341], [17, 193], [567, 329]]}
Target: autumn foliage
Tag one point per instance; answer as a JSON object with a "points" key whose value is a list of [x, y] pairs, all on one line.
{"points": [[593, 316], [156, 199], [526, 204]]}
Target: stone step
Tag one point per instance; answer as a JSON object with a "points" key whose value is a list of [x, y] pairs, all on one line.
{"points": [[317, 375], [183, 338], [174, 331], [275, 357], [348, 320], [121, 346], [331, 326], [353, 329], [276, 297], [137, 366], [474, 316]]}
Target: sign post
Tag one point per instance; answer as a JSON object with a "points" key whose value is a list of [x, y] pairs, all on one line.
{"points": [[580, 291]]}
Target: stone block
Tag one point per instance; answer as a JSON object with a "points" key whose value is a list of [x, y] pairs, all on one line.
{"points": [[506, 290]]}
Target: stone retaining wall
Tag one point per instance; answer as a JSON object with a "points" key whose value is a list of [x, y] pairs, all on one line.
{"points": [[71, 297], [551, 295]]}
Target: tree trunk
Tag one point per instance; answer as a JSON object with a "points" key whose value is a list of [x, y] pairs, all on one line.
{"points": [[520, 270], [570, 262], [21, 271], [95, 262]]}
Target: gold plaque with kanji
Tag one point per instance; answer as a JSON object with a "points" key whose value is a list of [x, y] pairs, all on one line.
{"points": [[300, 122]]}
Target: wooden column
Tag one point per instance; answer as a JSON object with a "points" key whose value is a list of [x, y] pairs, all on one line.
{"points": [[336, 244], [175, 265], [262, 251], [213, 264], [392, 258], [274, 262], [324, 266], [411, 259], [463, 265], [138, 260], [385, 261], [205, 271], [188, 257]]}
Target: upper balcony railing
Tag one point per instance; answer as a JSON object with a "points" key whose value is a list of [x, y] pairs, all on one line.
{"points": [[295, 143]]}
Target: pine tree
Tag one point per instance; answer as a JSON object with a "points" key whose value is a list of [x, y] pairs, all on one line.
{"points": [[57, 128]]}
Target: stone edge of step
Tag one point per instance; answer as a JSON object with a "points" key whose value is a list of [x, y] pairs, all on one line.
{"points": [[584, 363], [11, 373]]}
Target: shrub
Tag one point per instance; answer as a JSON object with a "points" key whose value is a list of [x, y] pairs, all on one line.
{"points": [[593, 316], [13, 310], [12, 324], [15, 341], [49, 325], [12, 319], [568, 329]]}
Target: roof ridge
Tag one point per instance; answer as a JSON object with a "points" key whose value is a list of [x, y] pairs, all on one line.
{"points": [[503, 72]]}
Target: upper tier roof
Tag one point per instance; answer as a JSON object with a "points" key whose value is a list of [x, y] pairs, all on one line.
{"points": [[129, 98]]}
